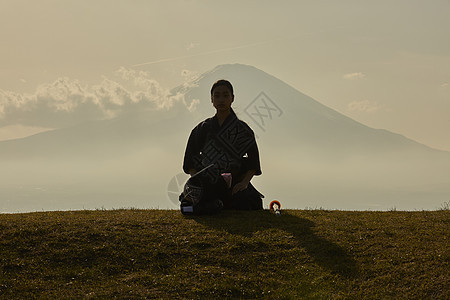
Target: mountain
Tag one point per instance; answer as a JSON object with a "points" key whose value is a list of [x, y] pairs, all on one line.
{"points": [[271, 106], [312, 156]]}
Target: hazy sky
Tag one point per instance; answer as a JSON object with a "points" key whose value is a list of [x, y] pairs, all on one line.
{"points": [[384, 63]]}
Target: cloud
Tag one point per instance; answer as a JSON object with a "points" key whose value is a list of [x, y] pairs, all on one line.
{"points": [[66, 102], [192, 46], [170, 59], [444, 85], [354, 76], [366, 106], [190, 78], [187, 74]]}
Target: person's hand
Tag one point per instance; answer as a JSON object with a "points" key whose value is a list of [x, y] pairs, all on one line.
{"points": [[239, 187]]}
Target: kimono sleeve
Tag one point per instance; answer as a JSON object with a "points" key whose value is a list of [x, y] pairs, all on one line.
{"points": [[193, 149], [252, 162]]}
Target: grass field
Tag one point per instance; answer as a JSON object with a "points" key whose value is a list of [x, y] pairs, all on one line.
{"points": [[310, 254]]}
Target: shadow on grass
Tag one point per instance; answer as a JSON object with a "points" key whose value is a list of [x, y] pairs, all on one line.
{"points": [[325, 253]]}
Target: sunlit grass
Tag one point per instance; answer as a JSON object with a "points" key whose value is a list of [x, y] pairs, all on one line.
{"points": [[162, 254]]}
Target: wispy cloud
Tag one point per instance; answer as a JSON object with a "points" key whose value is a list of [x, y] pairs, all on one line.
{"points": [[444, 85], [189, 77], [366, 106], [353, 76], [192, 46], [169, 59], [66, 101]]}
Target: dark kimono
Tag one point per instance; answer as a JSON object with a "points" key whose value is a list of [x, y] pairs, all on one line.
{"points": [[231, 148]]}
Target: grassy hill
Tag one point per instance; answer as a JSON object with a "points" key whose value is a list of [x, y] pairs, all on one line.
{"points": [[162, 254]]}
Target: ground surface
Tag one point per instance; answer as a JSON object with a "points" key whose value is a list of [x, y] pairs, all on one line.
{"points": [[311, 254]]}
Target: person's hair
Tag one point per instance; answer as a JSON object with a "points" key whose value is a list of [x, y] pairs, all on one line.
{"points": [[225, 83]]}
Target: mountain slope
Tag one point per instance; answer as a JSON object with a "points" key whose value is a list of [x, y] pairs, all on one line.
{"points": [[273, 108], [311, 155]]}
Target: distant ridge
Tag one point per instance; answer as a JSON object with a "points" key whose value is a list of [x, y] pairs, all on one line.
{"points": [[311, 155], [303, 118], [306, 121]]}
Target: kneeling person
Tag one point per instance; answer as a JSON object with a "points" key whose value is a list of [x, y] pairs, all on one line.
{"points": [[222, 157]]}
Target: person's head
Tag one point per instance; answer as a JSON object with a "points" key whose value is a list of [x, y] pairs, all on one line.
{"points": [[222, 95]]}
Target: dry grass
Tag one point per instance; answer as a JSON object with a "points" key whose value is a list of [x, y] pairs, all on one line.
{"points": [[162, 254]]}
